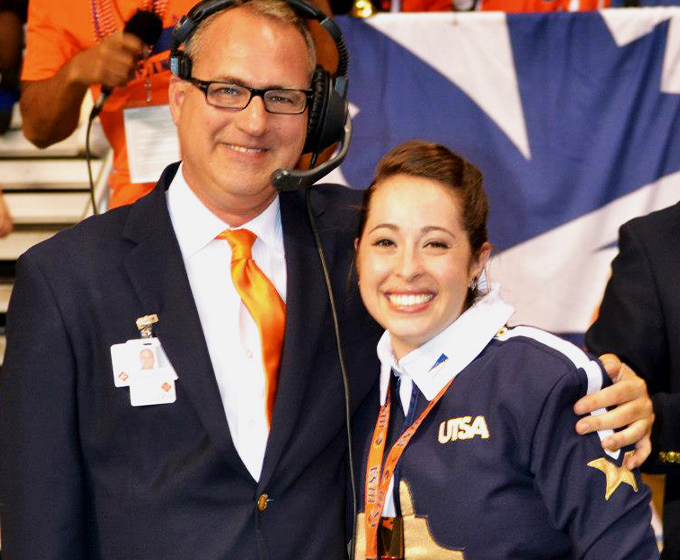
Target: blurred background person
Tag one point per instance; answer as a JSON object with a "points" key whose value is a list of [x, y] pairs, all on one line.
{"points": [[73, 46], [12, 19]]}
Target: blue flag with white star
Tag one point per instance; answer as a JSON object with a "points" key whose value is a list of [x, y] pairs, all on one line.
{"points": [[574, 118]]}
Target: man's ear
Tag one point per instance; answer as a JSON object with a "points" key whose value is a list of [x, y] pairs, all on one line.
{"points": [[176, 93]]}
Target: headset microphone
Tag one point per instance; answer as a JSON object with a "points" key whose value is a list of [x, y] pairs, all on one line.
{"points": [[146, 26], [287, 180]]}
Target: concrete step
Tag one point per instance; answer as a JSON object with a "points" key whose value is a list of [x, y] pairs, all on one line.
{"points": [[47, 207], [46, 174], [13, 144], [46, 191], [20, 240]]}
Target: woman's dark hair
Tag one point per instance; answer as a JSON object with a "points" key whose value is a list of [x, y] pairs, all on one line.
{"points": [[418, 158]]}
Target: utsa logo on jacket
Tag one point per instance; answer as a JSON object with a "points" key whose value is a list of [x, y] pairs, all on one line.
{"points": [[496, 470]]}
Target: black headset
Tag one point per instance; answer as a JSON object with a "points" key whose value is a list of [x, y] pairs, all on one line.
{"points": [[327, 118]]}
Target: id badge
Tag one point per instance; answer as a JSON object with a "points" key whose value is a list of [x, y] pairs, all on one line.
{"points": [[152, 142], [142, 365], [391, 538], [153, 387]]}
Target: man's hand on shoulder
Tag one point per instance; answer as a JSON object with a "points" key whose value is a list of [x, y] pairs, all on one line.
{"points": [[633, 411]]}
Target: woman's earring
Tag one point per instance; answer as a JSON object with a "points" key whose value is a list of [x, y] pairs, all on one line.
{"points": [[473, 284]]}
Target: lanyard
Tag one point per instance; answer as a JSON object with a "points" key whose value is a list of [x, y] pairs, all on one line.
{"points": [[104, 19], [377, 483]]}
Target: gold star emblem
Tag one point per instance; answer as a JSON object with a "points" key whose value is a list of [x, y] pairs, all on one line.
{"points": [[615, 475]]}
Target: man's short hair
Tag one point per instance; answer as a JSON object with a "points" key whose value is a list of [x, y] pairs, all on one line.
{"points": [[278, 10]]}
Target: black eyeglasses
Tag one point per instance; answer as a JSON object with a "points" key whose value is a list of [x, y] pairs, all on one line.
{"points": [[235, 97]]}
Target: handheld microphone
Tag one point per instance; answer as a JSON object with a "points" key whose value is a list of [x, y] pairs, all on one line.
{"points": [[287, 180], [144, 25]]}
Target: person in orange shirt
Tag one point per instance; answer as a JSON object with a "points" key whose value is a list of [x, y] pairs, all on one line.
{"points": [[12, 16], [76, 45]]}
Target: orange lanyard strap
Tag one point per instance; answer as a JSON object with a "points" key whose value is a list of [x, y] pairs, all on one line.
{"points": [[377, 483]]}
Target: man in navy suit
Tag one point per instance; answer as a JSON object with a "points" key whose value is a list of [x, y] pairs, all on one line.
{"points": [[84, 474], [640, 320]]}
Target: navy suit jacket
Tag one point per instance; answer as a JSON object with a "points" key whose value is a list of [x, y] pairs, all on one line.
{"points": [[84, 475], [639, 321]]}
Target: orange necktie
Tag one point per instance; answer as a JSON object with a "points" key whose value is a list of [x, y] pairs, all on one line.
{"points": [[264, 304]]}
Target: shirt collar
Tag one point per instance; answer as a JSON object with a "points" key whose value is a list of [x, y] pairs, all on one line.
{"points": [[196, 226], [461, 342]]}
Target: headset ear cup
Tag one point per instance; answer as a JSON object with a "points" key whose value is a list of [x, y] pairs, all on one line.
{"points": [[183, 65], [317, 109], [180, 64]]}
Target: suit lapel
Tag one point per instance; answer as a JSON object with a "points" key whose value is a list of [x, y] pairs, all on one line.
{"points": [[306, 308], [156, 271]]}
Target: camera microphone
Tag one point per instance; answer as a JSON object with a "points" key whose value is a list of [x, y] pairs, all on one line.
{"points": [[146, 26]]}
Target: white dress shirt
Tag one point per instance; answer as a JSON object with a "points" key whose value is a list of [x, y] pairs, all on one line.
{"points": [[231, 334]]}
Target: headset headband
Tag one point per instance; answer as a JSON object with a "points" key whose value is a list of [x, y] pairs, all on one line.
{"points": [[189, 23]]}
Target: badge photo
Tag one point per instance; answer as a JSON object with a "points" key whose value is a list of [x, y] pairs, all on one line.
{"points": [[142, 365]]}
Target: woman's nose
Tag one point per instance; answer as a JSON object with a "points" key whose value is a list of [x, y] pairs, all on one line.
{"points": [[409, 265]]}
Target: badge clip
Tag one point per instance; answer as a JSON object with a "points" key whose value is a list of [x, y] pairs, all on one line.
{"points": [[145, 325]]}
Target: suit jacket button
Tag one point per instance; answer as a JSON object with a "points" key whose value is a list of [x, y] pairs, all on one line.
{"points": [[262, 502]]}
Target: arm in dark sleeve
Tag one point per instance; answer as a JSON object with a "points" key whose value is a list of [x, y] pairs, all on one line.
{"points": [[631, 324], [41, 474], [574, 490]]}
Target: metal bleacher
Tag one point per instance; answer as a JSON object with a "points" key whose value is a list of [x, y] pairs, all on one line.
{"points": [[45, 191]]}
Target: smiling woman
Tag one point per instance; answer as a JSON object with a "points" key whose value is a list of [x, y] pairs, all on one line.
{"points": [[479, 439], [424, 243]]}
